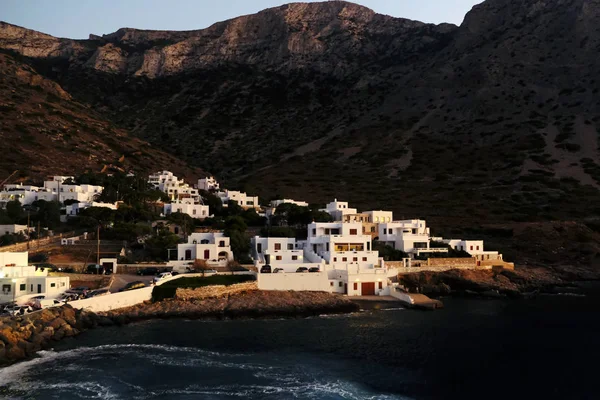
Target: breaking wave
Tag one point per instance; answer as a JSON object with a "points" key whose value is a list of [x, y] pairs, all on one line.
{"points": [[147, 371]]}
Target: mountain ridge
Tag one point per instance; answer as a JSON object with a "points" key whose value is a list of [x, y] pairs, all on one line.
{"points": [[317, 100]]}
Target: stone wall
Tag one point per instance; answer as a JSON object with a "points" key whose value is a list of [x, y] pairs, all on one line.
{"points": [[214, 291], [451, 262]]}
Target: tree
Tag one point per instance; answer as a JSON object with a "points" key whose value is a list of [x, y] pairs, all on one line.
{"points": [[14, 211], [47, 214], [200, 265], [389, 253], [158, 245], [213, 202]]}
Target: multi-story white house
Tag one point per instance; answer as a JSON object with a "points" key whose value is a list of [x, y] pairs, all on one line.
{"points": [[339, 253], [213, 247], [410, 236], [337, 209], [209, 183], [242, 199], [53, 190], [174, 187], [187, 206], [19, 281]]}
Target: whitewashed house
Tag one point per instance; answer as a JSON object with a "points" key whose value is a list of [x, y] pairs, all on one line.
{"points": [[174, 187], [14, 229], [213, 247], [242, 199], [337, 209], [343, 256], [19, 281], [474, 248], [209, 184], [53, 190], [74, 209], [189, 207], [277, 203]]}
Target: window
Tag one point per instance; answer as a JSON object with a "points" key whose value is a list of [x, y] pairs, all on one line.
{"points": [[384, 231], [364, 258], [340, 284], [344, 259], [194, 211], [23, 286], [314, 232], [330, 283], [62, 284], [6, 288], [372, 229], [290, 246], [294, 258], [53, 285], [355, 286], [188, 254], [259, 247], [327, 231], [380, 285], [471, 247], [355, 259], [277, 246], [278, 258], [477, 247], [353, 232], [376, 219], [334, 259], [222, 243], [390, 231]]}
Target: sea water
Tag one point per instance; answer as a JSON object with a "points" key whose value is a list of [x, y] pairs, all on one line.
{"points": [[473, 349]]}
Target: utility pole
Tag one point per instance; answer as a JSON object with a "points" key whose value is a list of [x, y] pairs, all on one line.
{"points": [[28, 232], [38, 235], [98, 246]]}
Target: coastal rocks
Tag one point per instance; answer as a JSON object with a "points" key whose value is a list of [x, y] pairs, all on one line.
{"points": [[214, 291], [22, 337], [251, 304]]}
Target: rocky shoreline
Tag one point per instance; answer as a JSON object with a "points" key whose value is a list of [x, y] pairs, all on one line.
{"points": [[22, 337], [520, 283]]}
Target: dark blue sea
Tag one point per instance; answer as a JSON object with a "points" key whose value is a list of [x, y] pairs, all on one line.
{"points": [[543, 348]]}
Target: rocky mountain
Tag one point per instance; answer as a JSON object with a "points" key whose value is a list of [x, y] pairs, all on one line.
{"points": [[493, 120]]}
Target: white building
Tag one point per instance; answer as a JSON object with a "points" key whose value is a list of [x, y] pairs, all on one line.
{"points": [[209, 183], [187, 206], [19, 281], [213, 247], [242, 199], [53, 190], [15, 229], [75, 208], [174, 187], [277, 203], [337, 209], [474, 248], [343, 256]]}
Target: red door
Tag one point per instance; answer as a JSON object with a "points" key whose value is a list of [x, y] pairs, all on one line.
{"points": [[368, 289], [206, 254]]}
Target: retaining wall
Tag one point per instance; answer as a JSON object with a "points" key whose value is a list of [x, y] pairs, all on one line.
{"points": [[114, 301]]}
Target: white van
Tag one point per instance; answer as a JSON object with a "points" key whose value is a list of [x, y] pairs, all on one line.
{"points": [[161, 276]]}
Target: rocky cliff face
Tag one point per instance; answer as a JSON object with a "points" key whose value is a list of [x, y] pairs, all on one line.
{"points": [[495, 119]]}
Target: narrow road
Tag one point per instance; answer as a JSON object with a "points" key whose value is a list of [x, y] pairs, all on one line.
{"points": [[119, 281]]}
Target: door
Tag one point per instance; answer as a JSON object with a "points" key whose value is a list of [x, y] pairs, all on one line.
{"points": [[345, 288], [368, 289], [39, 288], [206, 254]]}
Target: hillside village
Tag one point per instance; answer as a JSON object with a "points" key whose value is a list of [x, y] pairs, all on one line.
{"points": [[289, 244]]}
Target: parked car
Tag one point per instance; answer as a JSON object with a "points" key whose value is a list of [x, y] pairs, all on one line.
{"points": [[302, 269], [265, 269], [94, 269], [161, 276], [68, 270], [35, 302], [48, 266], [133, 285], [276, 270], [95, 293], [17, 310], [146, 271], [313, 269]]}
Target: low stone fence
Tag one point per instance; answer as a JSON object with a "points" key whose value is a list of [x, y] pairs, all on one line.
{"points": [[214, 291], [452, 262], [413, 270]]}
